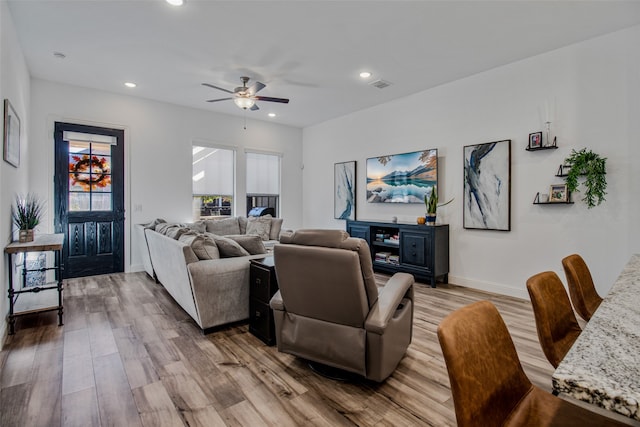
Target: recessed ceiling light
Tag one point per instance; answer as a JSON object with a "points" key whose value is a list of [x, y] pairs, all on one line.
{"points": [[175, 2], [129, 84], [272, 114], [365, 74]]}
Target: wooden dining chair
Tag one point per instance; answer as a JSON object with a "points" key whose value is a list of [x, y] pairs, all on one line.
{"points": [[557, 326], [488, 384], [582, 291]]}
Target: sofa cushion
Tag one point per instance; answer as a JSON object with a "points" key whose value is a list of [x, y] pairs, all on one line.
{"points": [[228, 248], [260, 225], [198, 226], [276, 227], [251, 243], [242, 222], [203, 246], [223, 227]]}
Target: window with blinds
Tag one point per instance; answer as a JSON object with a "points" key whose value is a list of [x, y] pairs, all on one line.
{"points": [[213, 181], [263, 181]]}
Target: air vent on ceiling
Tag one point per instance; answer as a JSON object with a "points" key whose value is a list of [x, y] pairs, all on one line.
{"points": [[380, 84]]}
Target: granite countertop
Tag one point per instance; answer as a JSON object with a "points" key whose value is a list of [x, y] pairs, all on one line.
{"points": [[603, 366]]}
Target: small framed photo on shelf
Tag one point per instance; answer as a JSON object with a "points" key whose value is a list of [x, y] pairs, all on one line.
{"points": [[535, 140], [558, 193]]}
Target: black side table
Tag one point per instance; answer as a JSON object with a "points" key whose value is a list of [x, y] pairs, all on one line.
{"points": [[263, 285]]}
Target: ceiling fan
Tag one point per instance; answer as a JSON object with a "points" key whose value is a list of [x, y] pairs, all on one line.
{"points": [[245, 97]]}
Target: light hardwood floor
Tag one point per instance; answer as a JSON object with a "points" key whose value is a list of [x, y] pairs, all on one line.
{"points": [[128, 355]]}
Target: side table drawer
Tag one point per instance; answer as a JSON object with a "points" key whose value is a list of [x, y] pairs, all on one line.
{"points": [[260, 284], [261, 321]]}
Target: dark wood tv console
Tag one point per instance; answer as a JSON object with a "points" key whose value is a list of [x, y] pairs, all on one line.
{"points": [[421, 250]]}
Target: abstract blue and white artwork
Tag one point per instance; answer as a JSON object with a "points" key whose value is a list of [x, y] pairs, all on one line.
{"points": [[344, 186], [402, 178], [487, 186]]}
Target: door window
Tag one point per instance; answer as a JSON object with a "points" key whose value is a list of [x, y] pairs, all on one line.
{"points": [[89, 176]]}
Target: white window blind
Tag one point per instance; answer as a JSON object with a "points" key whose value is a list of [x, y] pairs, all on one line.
{"points": [[213, 171], [263, 173], [88, 137]]}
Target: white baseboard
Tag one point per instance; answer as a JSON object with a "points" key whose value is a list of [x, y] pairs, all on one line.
{"points": [[497, 288], [134, 268]]}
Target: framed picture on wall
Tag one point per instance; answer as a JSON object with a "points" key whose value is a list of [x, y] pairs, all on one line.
{"points": [[535, 140], [344, 190], [558, 193], [487, 186], [11, 150]]}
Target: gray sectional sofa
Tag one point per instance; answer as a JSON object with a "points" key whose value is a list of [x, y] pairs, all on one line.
{"points": [[205, 265]]}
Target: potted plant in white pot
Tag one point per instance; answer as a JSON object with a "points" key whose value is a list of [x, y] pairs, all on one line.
{"points": [[432, 205], [26, 215]]}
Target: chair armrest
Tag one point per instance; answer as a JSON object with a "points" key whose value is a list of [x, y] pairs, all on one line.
{"points": [[389, 298], [276, 302]]}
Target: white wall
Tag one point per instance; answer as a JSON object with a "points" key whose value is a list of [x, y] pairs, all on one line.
{"points": [[14, 85], [158, 139], [592, 90]]}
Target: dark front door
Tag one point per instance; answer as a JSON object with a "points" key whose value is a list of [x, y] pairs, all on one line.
{"points": [[89, 198]]}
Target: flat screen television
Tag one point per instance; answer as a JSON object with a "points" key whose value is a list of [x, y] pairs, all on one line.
{"points": [[402, 178]]}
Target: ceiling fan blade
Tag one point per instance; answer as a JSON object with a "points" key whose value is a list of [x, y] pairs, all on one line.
{"points": [[254, 107], [216, 100], [256, 87], [216, 87], [268, 98]]}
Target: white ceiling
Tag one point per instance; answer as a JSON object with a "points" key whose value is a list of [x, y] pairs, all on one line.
{"points": [[308, 51]]}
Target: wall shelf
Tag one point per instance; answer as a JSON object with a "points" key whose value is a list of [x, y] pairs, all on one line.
{"points": [[562, 171], [536, 201], [550, 147]]}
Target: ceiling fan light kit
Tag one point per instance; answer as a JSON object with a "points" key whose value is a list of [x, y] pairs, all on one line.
{"points": [[245, 96], [243, 102]]}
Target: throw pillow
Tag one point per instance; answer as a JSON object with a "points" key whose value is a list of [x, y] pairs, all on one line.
{"points": [[251, 243], [260, 225], [276, 227], [223, 227], [227, 247], [176, 231], [203, 246], [162, 228]]}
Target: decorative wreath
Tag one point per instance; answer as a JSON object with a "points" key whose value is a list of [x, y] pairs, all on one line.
{"points": [[88, 172]]}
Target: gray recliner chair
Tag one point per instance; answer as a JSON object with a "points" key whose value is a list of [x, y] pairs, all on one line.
{"points": [[330, 311]]}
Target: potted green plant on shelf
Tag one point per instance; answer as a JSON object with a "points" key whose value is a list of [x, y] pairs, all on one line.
{"points": [[432, 205], [26, 215], [593, 167]]}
